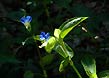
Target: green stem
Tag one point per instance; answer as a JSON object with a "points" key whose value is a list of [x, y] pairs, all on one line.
{"points": [[28, 27], [44, 71], [93, 76], [63, 45], [72, 64]]}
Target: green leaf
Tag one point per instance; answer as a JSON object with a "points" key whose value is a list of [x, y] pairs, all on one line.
{"points": [[69, 51], [104, 74], [36, 38], [58, 48], [28, 74], [89, 65], [67, 26], [63, 64], [57, 33], [50, 45], [64, 51], [46, 60]]}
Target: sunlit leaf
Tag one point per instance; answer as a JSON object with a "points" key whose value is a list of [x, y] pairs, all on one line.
{"points": [[50, 45], [57, 33], [67, 26]]}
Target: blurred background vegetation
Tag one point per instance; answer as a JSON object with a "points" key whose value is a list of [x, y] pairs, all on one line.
{"points": [[17, 61]]}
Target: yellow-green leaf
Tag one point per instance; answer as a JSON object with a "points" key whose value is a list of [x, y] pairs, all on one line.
{"points": [[57, 33], [50, 45], [67, 26]]}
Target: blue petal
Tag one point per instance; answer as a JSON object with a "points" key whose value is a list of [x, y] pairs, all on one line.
{"points": [[28, 19], [47, 36], [22, 20], [41, 37], [43, 34]]}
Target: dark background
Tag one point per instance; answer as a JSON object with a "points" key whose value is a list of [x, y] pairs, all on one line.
{"points": [[17, 61]]}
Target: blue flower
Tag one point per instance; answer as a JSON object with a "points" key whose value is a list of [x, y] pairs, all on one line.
{"points": [[44, 36], [26, 19]]}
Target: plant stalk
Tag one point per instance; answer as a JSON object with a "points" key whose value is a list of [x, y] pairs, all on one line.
{"points": [[70, 61], [44, 71], [75, 69]]}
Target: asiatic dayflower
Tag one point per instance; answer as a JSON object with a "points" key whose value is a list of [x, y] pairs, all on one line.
{"points": [[44, 37], [26, 21]]}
